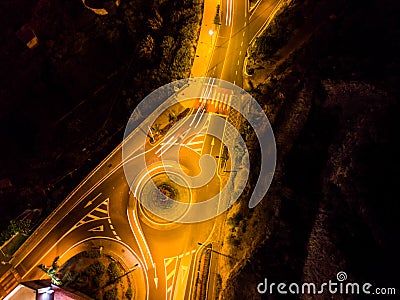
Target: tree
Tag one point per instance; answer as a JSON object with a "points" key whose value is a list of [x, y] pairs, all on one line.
{"points": [[113, 271], [21, 226]]}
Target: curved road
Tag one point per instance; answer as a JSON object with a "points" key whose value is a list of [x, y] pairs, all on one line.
{"points": [[102, 208]]}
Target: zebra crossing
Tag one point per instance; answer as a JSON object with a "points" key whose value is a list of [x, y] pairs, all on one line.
{"points": [[170, 265], [217, 99], [173, 273]]}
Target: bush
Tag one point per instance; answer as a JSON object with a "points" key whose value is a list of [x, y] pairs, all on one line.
{"points": [[15, 226], [96, 269], [129, 293], [235, 220], [99, 281], [113, 271], [94, 253], [233, 240], [111, 294]]}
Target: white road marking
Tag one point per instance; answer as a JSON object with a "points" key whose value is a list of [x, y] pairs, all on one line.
{"points": [[91, 201], [97, 228], [97, 213]]}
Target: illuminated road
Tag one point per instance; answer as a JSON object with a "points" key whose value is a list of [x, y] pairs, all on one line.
{"points": [[102, 211], [233, 41]]}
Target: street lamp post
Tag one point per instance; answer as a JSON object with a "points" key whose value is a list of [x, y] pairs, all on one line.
{"points": [[214, 250], [211, 32]]}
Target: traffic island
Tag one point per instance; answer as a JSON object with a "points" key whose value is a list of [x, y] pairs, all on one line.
{"points": [[202, 274], [97, 275], [159, 201]]}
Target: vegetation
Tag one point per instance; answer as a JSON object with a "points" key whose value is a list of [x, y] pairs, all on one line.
{"points": [[326, 85], [52, 271], [98, 276], [279, 31], [15, 226], [111, 294], [98, 68], [129, 293]]}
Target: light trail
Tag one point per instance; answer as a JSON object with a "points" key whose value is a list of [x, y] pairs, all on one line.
{"points": [[229, 11]]}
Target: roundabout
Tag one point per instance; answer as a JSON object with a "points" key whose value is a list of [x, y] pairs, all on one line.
{"points": [[160, 196]]}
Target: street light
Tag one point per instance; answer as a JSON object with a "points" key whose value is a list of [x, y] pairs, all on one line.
{"points": [[209, 247], [211, 32]]}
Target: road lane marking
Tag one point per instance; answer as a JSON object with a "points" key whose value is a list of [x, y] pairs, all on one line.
{"points": [[170, 275], [97, 228], [169, 261], [196, 142], [138, 241], [98, 213], [90, 202], [170, 265], [209, 89], [102, 210], [166, 143]]}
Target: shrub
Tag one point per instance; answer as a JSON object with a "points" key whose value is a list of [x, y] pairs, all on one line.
{"points": [[113, 271], [96, 269], [233, 240], [111, 294], [129, 293], [235, 219]]}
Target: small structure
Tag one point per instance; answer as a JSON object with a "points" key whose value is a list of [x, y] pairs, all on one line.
{"points": [[43, 290], [27, 35]]}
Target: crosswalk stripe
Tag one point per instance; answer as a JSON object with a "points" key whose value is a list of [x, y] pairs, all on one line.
{"points": [[169, 261], [170, 274], [96, 214], [101, 210]]}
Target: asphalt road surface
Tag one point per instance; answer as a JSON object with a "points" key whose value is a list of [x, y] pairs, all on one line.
{"points": [[102, 211]]}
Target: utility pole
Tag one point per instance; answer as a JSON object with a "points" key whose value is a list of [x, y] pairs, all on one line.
{"points": [[209, 248]]}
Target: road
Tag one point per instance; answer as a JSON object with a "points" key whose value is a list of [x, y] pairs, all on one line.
{"points": [[102, 211]]}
